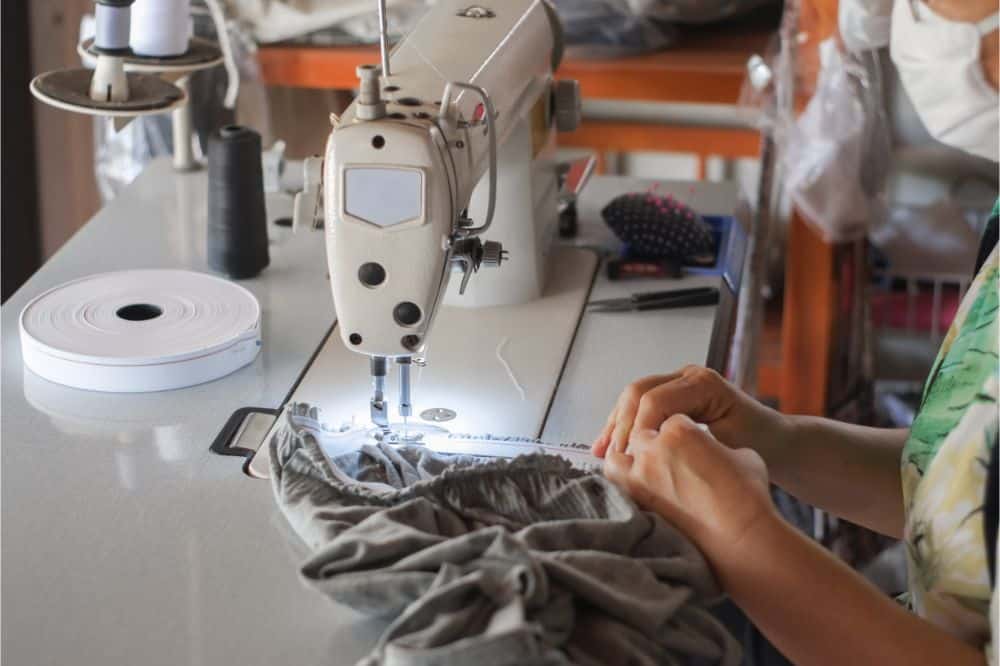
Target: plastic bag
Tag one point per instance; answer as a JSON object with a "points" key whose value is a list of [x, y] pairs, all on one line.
{"points": [[593, 28], [355, 20], [611, 28], [119, 157], [834, 155], [694, 11], [939, 238], [864, 24]]}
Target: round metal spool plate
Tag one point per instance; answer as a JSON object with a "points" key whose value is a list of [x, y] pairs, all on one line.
{"points": [[69, 89], [201, 54]]}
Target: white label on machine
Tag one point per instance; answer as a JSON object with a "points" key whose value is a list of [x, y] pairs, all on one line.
{"points": [[384, 197]]}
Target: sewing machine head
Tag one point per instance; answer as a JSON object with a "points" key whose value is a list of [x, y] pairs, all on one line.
{"points": [[403, 164], [396, 221]]}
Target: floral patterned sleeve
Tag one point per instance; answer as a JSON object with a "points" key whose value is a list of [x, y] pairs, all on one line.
{"points": [[945, 468]]}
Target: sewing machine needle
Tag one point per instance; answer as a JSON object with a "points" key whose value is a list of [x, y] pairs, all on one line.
{"points": [[405, 404]]}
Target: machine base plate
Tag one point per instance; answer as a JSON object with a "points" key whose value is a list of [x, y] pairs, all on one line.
{"points": [[495, 368]]}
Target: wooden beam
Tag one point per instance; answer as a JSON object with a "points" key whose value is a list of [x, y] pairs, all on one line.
{"points": [[808, 321], [21, 233], [668, 76], [314, 66], [64, 141], [707, 65], [621, 136]]}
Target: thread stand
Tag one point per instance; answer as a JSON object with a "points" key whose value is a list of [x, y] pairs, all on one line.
{"points": [[108, 90], [116, 82], [201, 54]]}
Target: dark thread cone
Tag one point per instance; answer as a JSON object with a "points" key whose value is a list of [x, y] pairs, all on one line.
{"points": [[237, 220]]}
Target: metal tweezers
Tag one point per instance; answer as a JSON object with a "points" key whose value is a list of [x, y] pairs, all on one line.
{"points": [[658, 300]]}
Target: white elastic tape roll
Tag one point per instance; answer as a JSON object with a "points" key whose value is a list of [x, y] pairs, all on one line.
{"points": [[144, 330], [161, 28]]}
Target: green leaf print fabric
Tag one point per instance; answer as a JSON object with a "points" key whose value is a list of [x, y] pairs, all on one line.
{"points": [[966, 360], [944, 466]]}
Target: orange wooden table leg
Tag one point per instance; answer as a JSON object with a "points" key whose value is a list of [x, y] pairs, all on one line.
{"points": [[808, 320]]}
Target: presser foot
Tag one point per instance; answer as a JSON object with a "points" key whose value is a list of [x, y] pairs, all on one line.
{"points": [[380, 414]]}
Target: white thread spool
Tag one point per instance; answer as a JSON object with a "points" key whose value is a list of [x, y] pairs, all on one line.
{"points": [[161, 28], [112, 30]]}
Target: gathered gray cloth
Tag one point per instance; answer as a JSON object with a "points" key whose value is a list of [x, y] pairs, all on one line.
{"points": [[495, 562]]}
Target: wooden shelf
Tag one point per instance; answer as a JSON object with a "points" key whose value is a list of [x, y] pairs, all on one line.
{"points": [[706, 65]]}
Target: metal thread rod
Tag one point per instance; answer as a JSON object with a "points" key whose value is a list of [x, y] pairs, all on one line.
{"points": [[183, 131], [405, 404], [383, 37]]}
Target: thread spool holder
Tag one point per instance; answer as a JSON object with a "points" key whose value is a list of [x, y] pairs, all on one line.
{"points": [[183, 133], [117, 69], [202, 54]]}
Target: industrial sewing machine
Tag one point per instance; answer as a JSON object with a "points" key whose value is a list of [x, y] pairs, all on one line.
{"points": [[443, 164], [439, 192]]}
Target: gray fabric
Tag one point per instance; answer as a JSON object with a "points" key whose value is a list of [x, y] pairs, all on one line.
{"points": [[523, 561]]}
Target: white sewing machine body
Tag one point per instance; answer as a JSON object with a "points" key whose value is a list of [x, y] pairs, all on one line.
{"points": [[402, 165], [439, 151]]}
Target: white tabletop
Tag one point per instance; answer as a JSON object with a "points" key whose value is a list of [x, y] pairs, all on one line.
{"points": [[125, 540], [613, 349]]}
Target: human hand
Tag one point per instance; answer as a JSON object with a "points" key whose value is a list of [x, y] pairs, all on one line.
{"points": [[733, 417], [713, 494]]}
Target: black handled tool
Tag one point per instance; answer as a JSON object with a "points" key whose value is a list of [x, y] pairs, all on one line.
{"points": [[658, 300]]}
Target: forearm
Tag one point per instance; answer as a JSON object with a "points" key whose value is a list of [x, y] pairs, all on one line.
{"points": [[848, 470], [817, 611]]}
